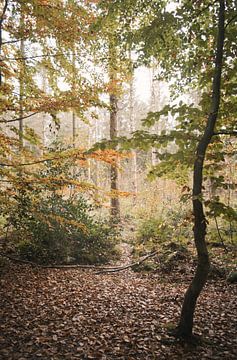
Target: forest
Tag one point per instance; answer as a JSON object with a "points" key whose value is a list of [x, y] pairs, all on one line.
{"points": [[118, 159]]}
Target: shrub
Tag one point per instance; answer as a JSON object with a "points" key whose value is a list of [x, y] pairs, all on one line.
{"points": [[50, 227], [171, 226], [151, 229], [64, 228]]}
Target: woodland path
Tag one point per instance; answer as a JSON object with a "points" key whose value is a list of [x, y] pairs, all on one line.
{"points": [[76, 314]]}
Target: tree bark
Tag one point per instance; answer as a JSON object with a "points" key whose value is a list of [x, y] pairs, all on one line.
{"points": [[185, 326], [73, 90], [113, 102], [115, 208], [21, 82], [1, 43], [132, 128]]}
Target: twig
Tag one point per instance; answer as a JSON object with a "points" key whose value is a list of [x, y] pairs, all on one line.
{"points": [[219, 234], [230, 21]]}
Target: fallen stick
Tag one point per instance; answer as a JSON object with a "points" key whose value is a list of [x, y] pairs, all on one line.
{"points": [[27, 262], [124, 267], [103, 269], [12, 258]]}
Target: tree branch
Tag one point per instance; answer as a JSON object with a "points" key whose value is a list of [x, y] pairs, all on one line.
{"points": [[11, 42], [36, 162], [230, 21], [219, 234], [226, 132], [121, 268], [31, 263], [104, 269], [4, 121], [36, 56], [3, 12]]}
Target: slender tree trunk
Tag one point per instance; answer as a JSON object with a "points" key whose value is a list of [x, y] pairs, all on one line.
{"points": [[44, 88], [21, 83], [132, 128], [1, 23], [152, 108], [97, 138], [89, 162], [113, 101], [114, 175], [185, 326], [73, 90]]}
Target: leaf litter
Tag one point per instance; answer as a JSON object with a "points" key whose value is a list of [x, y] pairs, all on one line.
{"points": [[76, 314]]}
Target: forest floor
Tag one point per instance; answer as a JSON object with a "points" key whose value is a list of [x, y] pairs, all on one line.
{"points": [[78, 314]]}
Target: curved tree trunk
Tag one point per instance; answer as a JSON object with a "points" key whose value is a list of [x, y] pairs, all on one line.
{"points": [[185, 326]]}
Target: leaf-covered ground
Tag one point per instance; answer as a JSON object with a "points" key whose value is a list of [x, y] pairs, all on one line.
{"points": [[76, 314]]}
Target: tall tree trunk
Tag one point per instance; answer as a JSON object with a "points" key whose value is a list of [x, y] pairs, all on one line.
{"points": [[73, 90], [152, 108], [1, 23], [44, 88], [97, 138], [132, 128], [155, 105], [185, 326], [89, 161], [21, 82], [114, 175], [113, 102]]}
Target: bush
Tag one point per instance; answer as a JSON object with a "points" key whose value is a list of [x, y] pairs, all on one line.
{"points": [[172, 226], [51, 227], [64, 228], [151, 229]]}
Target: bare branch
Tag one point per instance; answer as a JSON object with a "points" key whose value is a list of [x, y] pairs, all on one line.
{"points": [[37, 162], [102, 269], [36, 56], [31, 263], [3, 12], [11, 41], [219, 234], [5, 121], [226, 132], [230, 21], [121, 268]]}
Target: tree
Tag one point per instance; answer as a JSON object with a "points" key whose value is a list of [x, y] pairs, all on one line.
{"points": [[183, 41], [113, 102], [132, 126], [185, 326], [49, 40]]}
